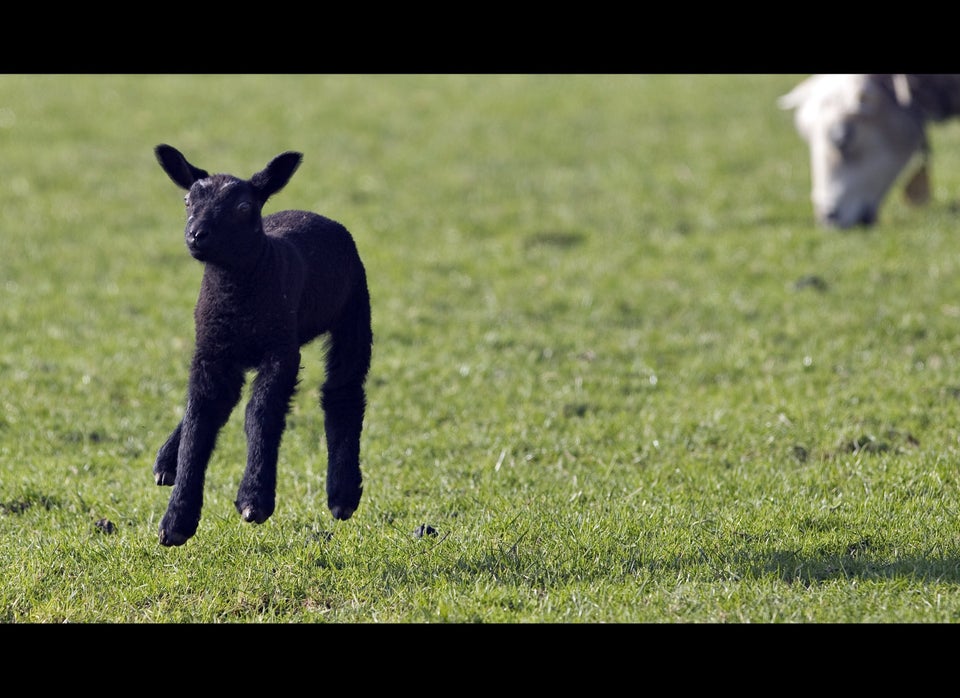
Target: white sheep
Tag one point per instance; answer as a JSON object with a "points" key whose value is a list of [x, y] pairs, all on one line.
{"points": [[863, 133]]}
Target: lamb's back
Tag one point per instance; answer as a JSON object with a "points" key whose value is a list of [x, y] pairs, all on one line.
{"points": [[332, 265]]}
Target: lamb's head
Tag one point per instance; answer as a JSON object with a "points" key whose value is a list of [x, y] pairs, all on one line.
{"points": [[224, 213], [861, 135]]}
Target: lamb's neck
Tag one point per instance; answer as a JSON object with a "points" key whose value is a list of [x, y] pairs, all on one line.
{"points": [[239, 279]]}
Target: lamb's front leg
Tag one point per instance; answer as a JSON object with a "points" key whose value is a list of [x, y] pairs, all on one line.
{"points": [[212, 394], [165, 466], [265, 420]]}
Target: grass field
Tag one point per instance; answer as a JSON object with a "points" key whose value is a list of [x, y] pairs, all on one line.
{"points": [[617, 369]]}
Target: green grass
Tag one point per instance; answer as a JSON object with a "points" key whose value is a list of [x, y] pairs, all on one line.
{"points": [[617, 368]]}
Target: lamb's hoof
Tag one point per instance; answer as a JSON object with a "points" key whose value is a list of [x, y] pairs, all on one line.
{"points": [[342, 504], [171, 538], [251, 514], [342, 513], [176, 528], [164, 478]]}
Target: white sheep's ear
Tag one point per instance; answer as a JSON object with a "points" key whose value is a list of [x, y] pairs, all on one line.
{"points": [[802, 101], [275, 175], [798, 95], [177, 167], [901, 88]]}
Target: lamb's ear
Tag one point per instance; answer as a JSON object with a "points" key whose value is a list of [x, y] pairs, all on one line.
{"points": [[177, 167], [275, 175]]}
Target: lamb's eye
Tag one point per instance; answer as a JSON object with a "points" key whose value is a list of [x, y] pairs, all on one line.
{"points": [[244, 208]]}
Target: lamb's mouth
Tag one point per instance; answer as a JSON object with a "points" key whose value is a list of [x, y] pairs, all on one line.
{"points": [[196, 248]]}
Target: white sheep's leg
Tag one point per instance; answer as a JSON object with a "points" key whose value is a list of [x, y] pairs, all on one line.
{"points": [[264, 424], [213, 392]]}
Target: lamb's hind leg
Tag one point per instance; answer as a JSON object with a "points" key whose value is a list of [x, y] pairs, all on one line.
{"points": [[265, 422], [344, 402], [344, 407]]}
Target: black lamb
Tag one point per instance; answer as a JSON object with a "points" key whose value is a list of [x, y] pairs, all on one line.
{"points": [[270, 285]]}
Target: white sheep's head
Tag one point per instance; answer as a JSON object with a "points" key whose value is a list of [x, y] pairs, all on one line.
{"points": [[861, 136], [224, 223]]}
